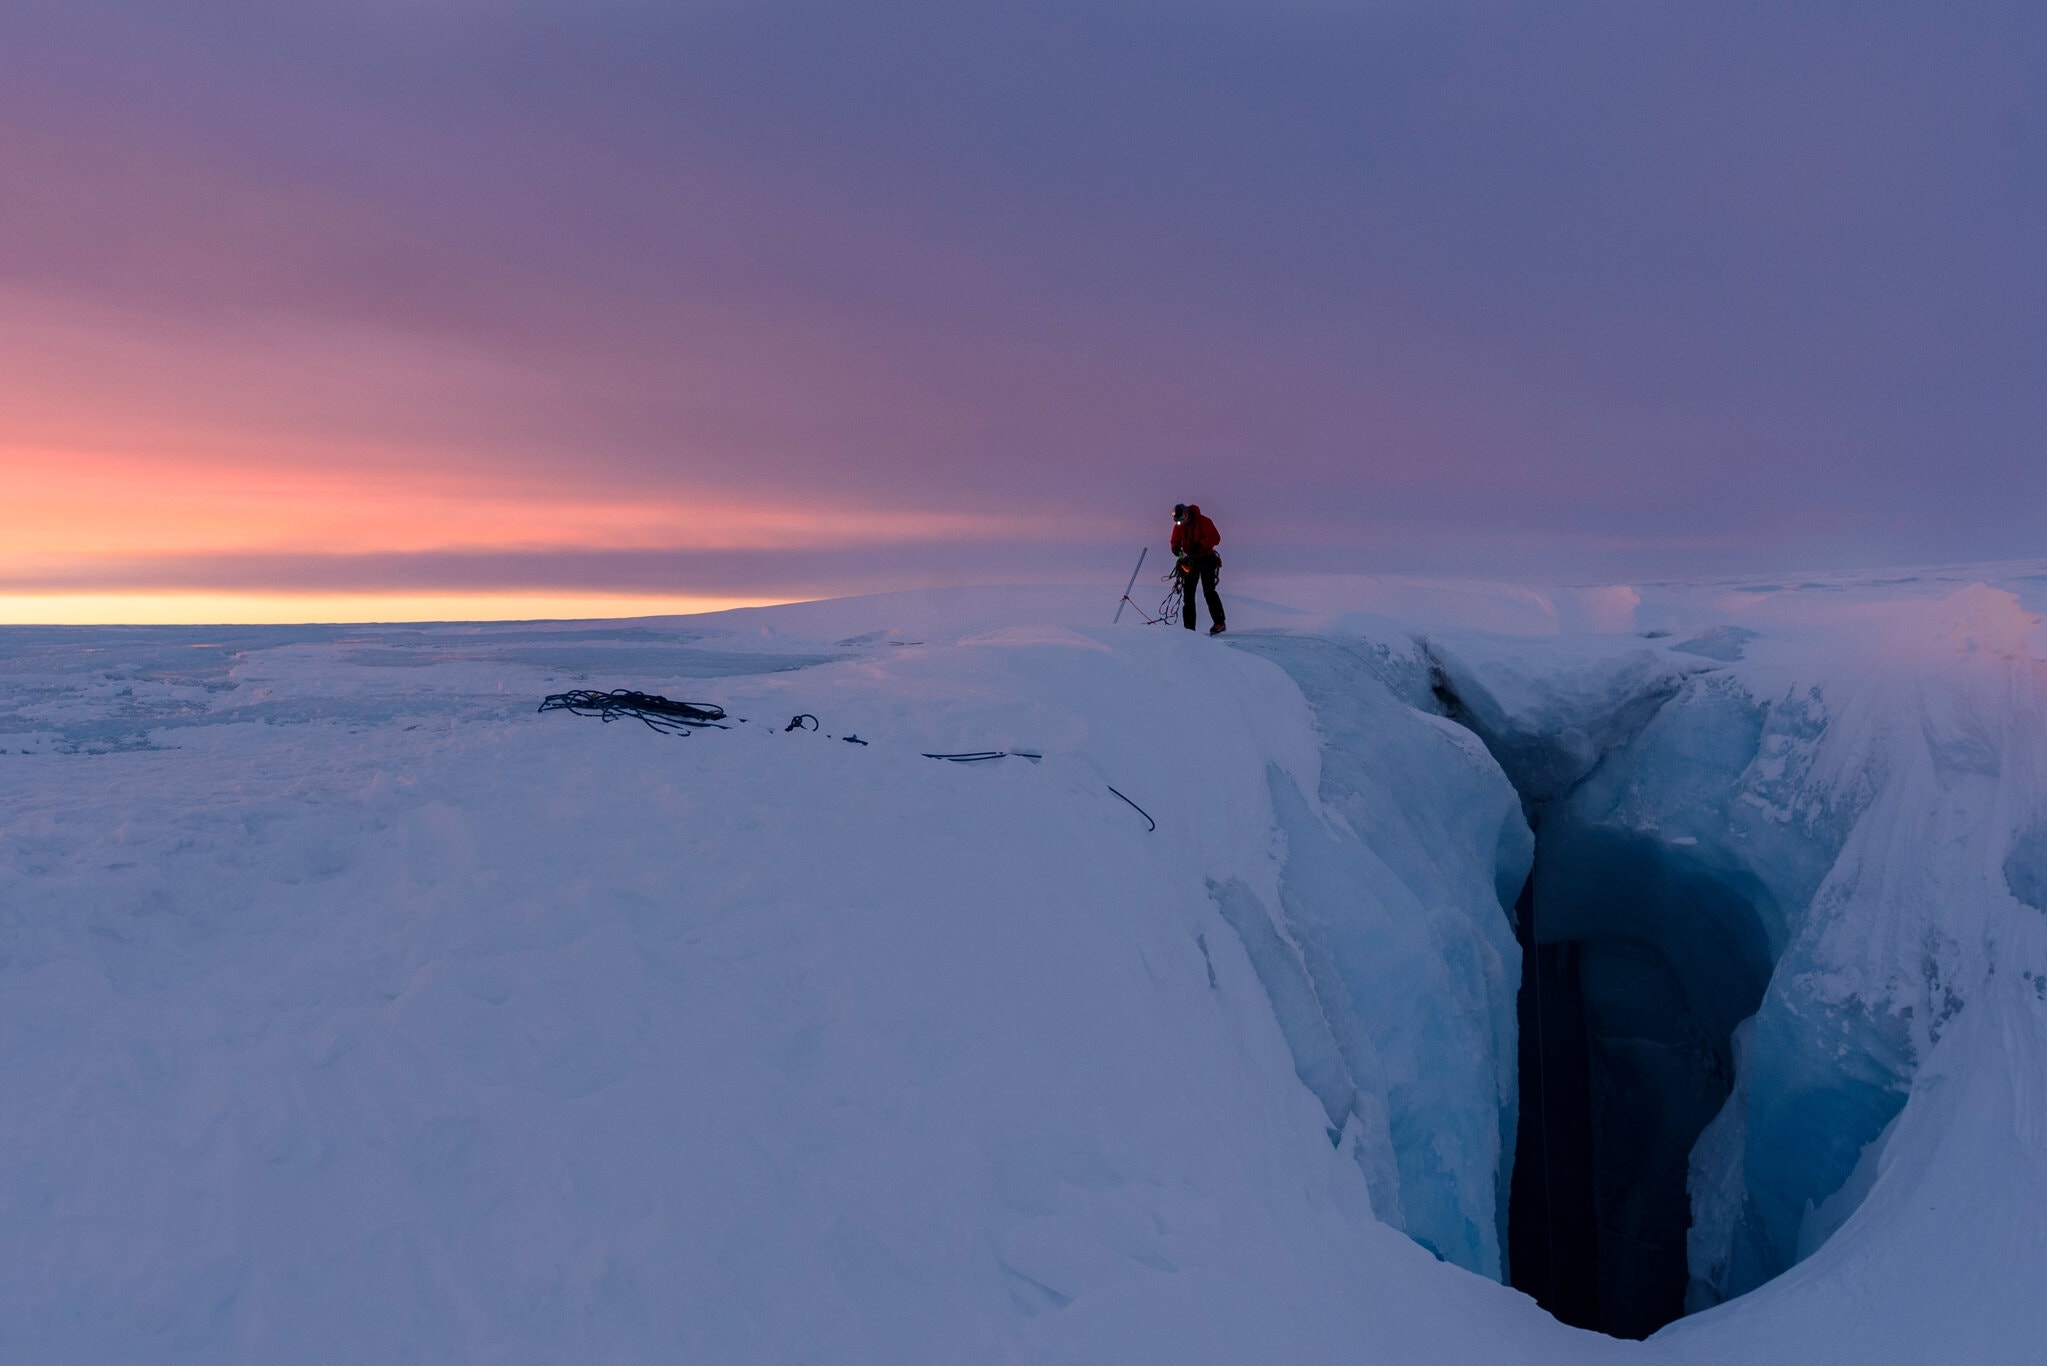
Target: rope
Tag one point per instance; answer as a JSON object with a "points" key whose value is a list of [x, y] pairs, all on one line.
{"points": [[1138, 809], [680, 718], [977, 755], [659, 713], [1169, 609]]}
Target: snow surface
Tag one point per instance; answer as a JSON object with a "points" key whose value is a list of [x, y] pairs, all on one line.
{"points": [[352, 1010]]}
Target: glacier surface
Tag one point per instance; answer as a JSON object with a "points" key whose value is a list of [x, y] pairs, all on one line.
{"points": [[351, 1010]]}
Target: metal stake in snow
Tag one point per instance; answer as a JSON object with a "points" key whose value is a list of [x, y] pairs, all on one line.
{"points": [[1128, 586]]}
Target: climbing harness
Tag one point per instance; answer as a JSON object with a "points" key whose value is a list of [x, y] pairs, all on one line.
{"points": [[659, 713]]}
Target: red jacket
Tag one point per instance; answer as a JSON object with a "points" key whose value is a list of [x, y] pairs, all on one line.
{"points": [[1196, 536]]}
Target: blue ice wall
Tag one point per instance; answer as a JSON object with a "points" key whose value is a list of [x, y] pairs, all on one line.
{"points": [[1390, 956]]}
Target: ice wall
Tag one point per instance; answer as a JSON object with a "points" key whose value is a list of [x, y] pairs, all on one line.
{"points": [[1396, 981]]}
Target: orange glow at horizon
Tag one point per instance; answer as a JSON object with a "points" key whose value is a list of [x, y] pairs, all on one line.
{"points": [[71, 510], [262, 609]]}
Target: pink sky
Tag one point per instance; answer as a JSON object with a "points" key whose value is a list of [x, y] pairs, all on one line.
{"points": [[739, 304]]}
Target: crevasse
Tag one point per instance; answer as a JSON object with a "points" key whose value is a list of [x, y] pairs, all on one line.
{"points": [[1754, 901]]}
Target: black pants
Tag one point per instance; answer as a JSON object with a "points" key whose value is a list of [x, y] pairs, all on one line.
{"points": [[1204, 571]]}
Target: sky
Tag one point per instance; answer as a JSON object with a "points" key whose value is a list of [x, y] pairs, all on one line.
{"points": [[375, 309]]}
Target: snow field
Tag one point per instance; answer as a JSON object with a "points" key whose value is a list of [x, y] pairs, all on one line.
{"points": [[525, 1038], [352, 1011]]}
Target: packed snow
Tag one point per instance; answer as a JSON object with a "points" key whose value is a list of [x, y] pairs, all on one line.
{"points": [[352, 1009]]}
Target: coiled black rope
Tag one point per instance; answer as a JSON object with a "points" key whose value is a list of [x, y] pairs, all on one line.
{"points": [[1169, 609], [659, 713]]}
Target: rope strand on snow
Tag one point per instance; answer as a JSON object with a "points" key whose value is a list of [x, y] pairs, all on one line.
{"points": [[1138, 809], [976, 756], [680, 718]]}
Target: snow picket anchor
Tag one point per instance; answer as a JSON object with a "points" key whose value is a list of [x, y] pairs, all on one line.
{"points": [[1126, 602], [1168, 609]]}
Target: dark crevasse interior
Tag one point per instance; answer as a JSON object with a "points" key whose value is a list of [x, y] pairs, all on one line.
{"points": [[1638, 962]]}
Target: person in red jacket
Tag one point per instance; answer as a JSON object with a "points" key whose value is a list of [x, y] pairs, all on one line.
{"points": [[1194, 541]]}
